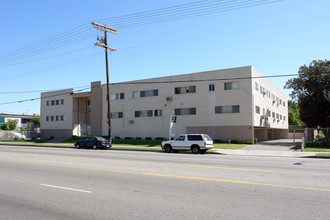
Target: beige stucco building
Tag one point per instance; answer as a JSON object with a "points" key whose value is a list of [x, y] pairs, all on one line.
{"points": [[235, 104]]}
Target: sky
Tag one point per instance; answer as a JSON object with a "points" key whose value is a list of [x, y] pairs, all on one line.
{"points": [[49, 45]]}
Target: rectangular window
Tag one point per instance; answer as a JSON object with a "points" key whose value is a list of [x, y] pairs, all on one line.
{"points": [[277, 116], [117, 96], [62, 101], [211, 87], [227, 109], [184, 90], [185, 111], [47, 103], [57, 102], [283, 118], [195, 138], [114, 96], [273, 114], [116, 114], [283, 103], [52, 118], [273, 97], [257, 109], [145, 113], [280, 117], [134, 95], [62, 117], [256, 86], [57, 117], [231, 85], [262, 90], [53, 102], [158, 112], [268, 94], [47, 118], [148, 93]]}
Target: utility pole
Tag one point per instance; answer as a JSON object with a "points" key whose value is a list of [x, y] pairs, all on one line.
{"points": [[105, 46]]}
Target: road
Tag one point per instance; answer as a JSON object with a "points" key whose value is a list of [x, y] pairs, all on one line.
{"points": [[54, 183]]}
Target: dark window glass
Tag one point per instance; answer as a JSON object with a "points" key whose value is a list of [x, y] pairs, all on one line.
{"points": [[185, 111], [195, 138], [227, 109]]}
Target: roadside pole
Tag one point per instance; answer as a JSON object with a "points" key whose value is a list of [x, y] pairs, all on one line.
{"points": [[105, 46]]}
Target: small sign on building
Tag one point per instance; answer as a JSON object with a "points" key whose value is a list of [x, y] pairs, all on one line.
{"points": [[172, 127]]}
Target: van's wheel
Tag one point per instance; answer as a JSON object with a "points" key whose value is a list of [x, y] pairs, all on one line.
{"points": [[78, 146], [94, 147], [195, 149], [202, 151], [168, 148]]}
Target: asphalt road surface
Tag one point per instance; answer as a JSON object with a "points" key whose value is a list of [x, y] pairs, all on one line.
{"points": [[53, 183]]}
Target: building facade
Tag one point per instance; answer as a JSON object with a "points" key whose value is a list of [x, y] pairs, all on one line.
{"points": [[231, 104]]}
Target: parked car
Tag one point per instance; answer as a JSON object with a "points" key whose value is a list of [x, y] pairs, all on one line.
{"points": [[17, 136], [93, 142], [197, 143]]}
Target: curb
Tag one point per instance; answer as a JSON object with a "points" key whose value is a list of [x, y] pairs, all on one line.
{"points": [[216, 151]]}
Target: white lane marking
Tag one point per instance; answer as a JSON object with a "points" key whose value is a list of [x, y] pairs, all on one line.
{"points": [[61, 187]]}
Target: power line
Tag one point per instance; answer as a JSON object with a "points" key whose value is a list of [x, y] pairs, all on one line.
{"points": [[39, 98], [154, 82], [185, 14], [82, 32], [35, 91], [50, 57], [203, 80]]}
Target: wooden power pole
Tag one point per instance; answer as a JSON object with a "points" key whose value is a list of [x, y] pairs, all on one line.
{"points": [[105, 46]]}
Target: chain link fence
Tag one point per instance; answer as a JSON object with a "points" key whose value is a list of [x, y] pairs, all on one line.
{"points": [[317, 137], [17, 135]]}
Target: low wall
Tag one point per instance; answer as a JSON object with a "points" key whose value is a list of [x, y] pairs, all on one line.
{"points": [[243, 133], [47, 133], [297, 135]]}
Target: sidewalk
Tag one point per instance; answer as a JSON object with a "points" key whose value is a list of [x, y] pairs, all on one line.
{"points": [[282, 148], [268, 153], [273, 148]]}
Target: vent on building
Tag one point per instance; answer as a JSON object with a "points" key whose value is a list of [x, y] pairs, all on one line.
{"points": [[169, 98], [131, 122]]}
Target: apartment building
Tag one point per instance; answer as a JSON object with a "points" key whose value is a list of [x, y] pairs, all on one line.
{"points": [[231, 104]]}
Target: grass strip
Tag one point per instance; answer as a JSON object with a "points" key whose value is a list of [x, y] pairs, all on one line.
{"points": [[310, 149]]}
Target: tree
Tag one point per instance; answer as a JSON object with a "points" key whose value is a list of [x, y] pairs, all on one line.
{"points": [[36, 122], [309, 89], [294, 113], [9, 125]]}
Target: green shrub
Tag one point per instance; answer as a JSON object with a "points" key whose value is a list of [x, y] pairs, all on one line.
{"points": [[234, 141], [249, 142], [224, 141], [239, 142], [117, 137], [148, 138], [138, 138], [160, 138], [217, 141], [129, 138]]}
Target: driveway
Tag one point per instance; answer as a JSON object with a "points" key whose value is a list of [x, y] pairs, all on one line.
{"points": [[275, 145]]}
